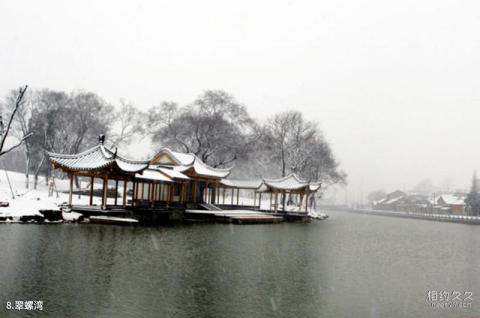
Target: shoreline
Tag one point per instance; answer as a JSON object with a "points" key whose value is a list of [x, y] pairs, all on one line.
{"points": [[414, 215]]}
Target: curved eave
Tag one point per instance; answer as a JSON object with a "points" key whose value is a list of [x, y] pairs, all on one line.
{"points": [[122, 166], [295, 188], [242, 184], [216, 174], [66, 166], [176, 158]]}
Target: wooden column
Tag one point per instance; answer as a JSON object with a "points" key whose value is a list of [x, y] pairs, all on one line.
{"points": [[276, 201], [151, 193], [134, 188], [70, 194], [223, 195], [260, 200], [270, 207], [233, 189], [91, 190], [104, 194], [238, 195], [195, 191], [254, 198], [205, 192], [306, 203], [169, 190], [116, 191], [124, 193]]}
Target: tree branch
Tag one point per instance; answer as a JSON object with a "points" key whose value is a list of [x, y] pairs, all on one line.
{"points": [[17, 145], [18, 103]]}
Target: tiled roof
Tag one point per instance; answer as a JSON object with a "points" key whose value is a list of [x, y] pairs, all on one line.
{"points": [[187, 161], [290, 182], [243, 184], [96, 158], [451, 199], [203, 169], [172, 173], [154, 175]]}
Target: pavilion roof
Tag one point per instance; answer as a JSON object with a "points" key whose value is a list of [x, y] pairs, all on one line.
{"points": [[96, 158], [242, 184], [153, 175], [183, 162], [289, 183], [170, 172]]}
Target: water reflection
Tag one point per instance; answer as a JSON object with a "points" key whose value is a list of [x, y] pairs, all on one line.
{"points": [[350, 265]]}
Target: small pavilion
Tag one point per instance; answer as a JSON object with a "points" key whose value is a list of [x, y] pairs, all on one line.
{"points": [[290, 185]]}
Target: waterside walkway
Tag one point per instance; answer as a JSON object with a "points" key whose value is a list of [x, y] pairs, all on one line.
{"points": [[415, 215]]}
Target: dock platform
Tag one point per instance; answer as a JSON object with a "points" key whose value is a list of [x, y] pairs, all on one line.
{"points": [[232, 216]]}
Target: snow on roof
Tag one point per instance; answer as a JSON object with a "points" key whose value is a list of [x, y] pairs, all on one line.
{"points": [[290, 182], [393, 200], [154, 175], [203, 169], [95, 158], [379, 201], [172, 173], [452, 199], [185, 161], [243, 184]]}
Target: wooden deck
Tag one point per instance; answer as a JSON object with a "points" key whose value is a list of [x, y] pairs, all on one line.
{"points": [[198, 212], [144, 215], [232, 216], [111, 220]]}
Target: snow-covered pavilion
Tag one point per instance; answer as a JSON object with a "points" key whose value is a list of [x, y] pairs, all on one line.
{"points": [[172, 178], [288, 185], [169, 178]]}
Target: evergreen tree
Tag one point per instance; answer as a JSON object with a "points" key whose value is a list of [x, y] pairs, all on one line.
{"points": [[473, 198]]}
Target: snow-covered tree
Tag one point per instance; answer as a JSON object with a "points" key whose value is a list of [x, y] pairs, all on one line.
{"points": [[473, 197]]}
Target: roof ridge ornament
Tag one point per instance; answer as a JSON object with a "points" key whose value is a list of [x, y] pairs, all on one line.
{"points": [[101, 139]]}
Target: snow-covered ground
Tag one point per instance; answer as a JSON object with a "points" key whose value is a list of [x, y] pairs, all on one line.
{"points": [[27, 202]]}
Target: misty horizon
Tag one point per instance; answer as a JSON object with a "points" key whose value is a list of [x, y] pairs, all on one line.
{"points": [[392, 88]]}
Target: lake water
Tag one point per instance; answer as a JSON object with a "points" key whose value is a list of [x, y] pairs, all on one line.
{"points": [[347, 266]]}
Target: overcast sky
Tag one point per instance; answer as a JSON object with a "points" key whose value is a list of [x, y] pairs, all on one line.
{"points": [[393, 84]]}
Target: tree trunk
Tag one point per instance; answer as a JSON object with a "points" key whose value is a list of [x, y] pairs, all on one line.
{"points": [[27, 172], [35, 180]]}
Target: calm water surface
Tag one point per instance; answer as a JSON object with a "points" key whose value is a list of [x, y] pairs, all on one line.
{"points": [[348, 266]]}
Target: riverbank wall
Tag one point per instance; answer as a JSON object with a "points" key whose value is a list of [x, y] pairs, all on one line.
{"points": [[413, 215]]}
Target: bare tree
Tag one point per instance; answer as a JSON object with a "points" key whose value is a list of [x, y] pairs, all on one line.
{"points": [[297, 146], [4, 130], [214, 127], [128, 122], [66, 123]]}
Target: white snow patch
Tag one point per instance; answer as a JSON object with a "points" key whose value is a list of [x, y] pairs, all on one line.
{"points": [[71, 216]]}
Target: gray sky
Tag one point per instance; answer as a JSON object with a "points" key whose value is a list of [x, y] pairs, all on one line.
{"points": [[393, 84]]}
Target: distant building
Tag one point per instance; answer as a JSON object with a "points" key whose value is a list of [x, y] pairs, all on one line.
{"points": [[455, 202], [390, 202], [401, 201]]}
